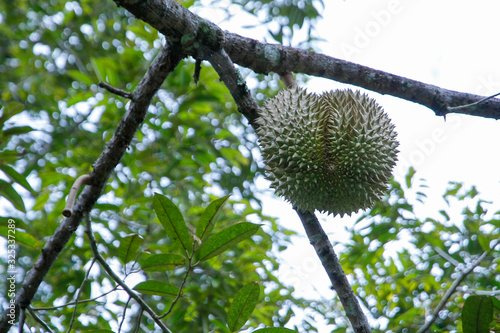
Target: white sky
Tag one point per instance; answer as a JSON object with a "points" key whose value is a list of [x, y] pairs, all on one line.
{"points": [[451, 44]]}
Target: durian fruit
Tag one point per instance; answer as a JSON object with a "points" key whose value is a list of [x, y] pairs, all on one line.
{"points": [[332, 152]]}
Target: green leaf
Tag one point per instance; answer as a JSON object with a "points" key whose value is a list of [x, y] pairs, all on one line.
{"points": [[129, 247], [80, 77], [445, 214], [409, 177], [242, 306], [21, 237], [226, 238], [10, 110], [16, 131], [157, 288], [162, 262], [98, 69], [9, 193], [16, 177], [452, 191], [207, 220], [484, 240], [105, 69], [496, 303], [171, 218], [41, 200], [477, 314], [275, 330]]}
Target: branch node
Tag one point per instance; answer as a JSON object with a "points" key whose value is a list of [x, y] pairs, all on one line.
{"points": [[197, 71], [288, 79], [116, 91], [453, 108], [79, 182]]}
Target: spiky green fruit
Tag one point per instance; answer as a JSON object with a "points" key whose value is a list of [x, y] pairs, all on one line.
{"points": [[332, 152]]}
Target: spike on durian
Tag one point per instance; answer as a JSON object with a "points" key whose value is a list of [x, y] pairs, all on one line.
{"points": [[332, 152]]}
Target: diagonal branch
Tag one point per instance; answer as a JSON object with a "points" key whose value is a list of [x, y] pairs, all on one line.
{"points": [[324, 249], [236, 85], [165, 62], [179, 24]]}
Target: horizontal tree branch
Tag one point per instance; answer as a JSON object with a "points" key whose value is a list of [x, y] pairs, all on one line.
{"points": [[165, 62], [179, 24]]}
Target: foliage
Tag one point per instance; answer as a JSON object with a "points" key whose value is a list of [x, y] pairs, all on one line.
{"points": [[477, 314], [9, 155], [402, 264], [283, 19], [194, 150]]}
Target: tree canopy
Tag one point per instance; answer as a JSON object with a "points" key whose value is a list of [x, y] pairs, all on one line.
{"points": [[168, 234]]}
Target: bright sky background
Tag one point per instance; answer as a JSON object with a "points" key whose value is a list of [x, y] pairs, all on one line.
{"points": [[451, 44]]}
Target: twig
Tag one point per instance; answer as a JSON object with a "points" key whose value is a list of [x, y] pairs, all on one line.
{"points": [[49, 308], [117, 279], [451, 108], [73, 317], [79, 182], [446, 256], [139, 321], [197, 71], [188, 270], [462, 275], [123, 314], [324, 249], [116, 91], [22, 320], [39, 320], [484, 292]]}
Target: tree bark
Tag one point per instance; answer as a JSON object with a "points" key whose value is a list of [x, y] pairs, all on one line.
{"points": [[179, 24], [324, 249]]}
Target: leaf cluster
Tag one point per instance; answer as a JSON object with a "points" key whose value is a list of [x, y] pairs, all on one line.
{"points": [[402, 265]]}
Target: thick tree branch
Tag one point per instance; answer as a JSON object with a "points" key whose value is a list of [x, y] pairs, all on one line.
{"points": [[324, 249], [264, 58], [165, 62], [236, 85], [179, 24]]}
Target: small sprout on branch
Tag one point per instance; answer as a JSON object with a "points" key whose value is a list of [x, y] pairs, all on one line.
{"points": [[453, 108], [79, 182], [197, 71], [288, 79], [116, 91]]}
